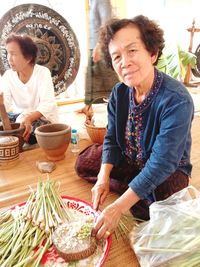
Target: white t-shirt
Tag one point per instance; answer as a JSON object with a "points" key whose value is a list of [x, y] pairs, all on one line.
{"points": [[35, 95]]}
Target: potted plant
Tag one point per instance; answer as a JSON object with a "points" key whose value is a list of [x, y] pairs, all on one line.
{"points": [[175, 62]]}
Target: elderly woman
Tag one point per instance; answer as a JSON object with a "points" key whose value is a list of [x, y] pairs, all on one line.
{"points": [[146, 151], [27, 87]]}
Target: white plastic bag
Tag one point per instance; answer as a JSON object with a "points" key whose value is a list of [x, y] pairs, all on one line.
{"points": [[171, 237], [99, 118]]}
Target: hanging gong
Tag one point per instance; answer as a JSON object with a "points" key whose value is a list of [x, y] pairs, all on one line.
{"points": [[196, 70], [57, 44]]}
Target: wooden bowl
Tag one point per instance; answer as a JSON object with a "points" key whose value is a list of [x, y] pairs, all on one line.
{"points": [[54, 139], [9, 151]]}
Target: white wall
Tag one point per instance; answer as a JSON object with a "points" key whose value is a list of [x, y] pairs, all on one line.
{"points": [[174, 16]]}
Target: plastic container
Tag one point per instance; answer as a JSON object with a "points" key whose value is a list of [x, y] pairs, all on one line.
{"points": [[75, 141]]}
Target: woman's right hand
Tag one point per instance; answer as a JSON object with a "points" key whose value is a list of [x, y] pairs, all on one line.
{"points": [[99, 192], [1, 99], [28, 128], [102, 187]]}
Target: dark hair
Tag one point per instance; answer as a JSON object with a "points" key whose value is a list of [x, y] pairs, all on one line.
{"points": [[27, 46], [150, 32]]}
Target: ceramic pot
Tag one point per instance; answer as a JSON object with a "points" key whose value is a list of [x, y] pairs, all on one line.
{"points": [[9, 151], [16, 131], [54, 139]]}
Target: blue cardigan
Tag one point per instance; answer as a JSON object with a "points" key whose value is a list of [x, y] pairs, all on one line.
{"points": [[165, 141]]}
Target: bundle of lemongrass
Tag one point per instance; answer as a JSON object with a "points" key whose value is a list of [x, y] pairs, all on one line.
{"points": [[125, 226], [25, 232], [172, 236]]}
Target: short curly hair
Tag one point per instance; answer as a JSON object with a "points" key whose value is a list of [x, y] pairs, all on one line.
{"points": [[150, 32], [27, 46]]}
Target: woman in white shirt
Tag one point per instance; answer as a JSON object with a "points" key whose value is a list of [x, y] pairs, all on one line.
{"points": [[27, 87]]}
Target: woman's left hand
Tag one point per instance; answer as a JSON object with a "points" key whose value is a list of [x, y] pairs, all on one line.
{"points": [[107, 221]]}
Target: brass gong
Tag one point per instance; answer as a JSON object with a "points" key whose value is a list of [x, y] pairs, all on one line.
{"points": [[57, 43]]}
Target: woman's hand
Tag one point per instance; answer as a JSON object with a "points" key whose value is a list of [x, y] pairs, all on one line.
{"points": [[107, 221], [96, 55], [27, 123], [99, 193], [1, 98], [102, 187]]}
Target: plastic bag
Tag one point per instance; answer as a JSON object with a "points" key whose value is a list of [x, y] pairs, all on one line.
{"points": [[171, 237]]}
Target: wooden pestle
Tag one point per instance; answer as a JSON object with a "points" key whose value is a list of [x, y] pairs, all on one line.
{"points": [[4, 117]]}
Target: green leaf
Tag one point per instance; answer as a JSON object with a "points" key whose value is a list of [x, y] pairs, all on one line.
{"points": [[174, 62]]}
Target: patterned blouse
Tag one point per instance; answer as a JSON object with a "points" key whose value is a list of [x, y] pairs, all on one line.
{"points": [[135, 123]]}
